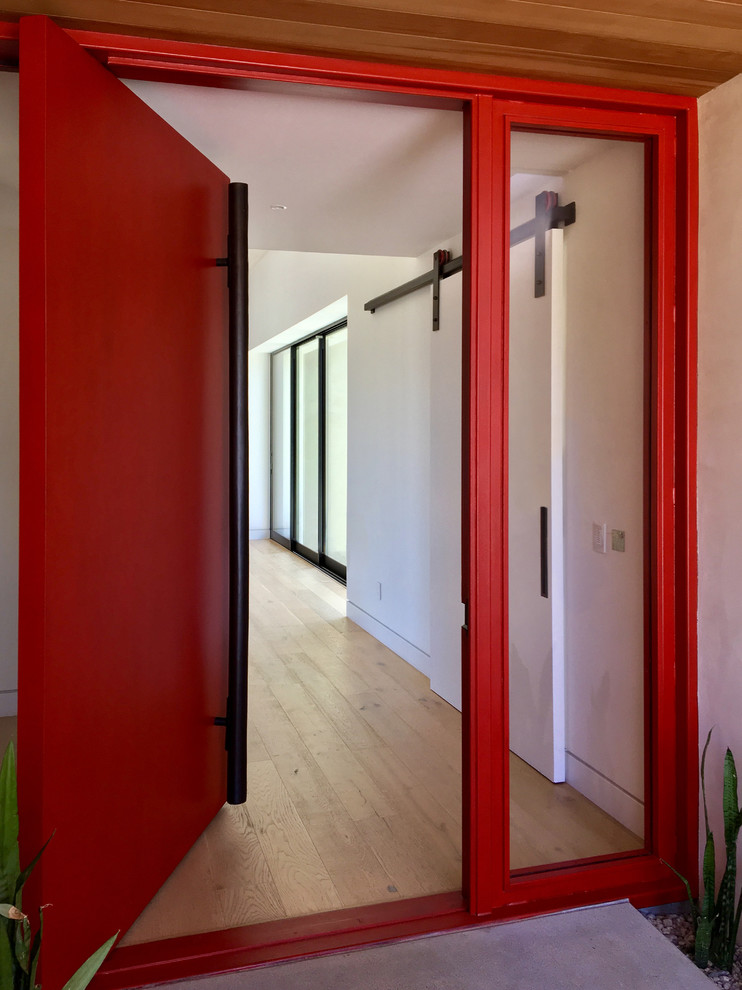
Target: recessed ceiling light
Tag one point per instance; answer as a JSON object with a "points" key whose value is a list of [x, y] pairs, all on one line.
{"points": [[278, 206]]}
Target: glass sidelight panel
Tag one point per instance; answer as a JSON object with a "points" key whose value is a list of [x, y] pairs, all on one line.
{"points": [[577, 500], [306, 507], [336, 444], [281, 446]]}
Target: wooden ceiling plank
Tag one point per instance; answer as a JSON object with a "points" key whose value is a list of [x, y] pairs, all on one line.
{"points": [[498, 38], [637, 24], [300, 26], [184, 23], [715, 14]]}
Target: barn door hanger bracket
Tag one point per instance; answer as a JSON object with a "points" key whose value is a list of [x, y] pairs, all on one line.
{"points": [[549, 216], [443, 266]]}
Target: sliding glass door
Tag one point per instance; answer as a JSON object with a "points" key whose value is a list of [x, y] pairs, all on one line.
{"points": [[309, 429]]}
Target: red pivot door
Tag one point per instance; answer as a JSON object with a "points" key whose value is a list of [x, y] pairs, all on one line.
{"points": [[124, 562]]}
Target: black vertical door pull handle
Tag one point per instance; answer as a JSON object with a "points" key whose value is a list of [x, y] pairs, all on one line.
{"points": [[544, 540], [236, 719]]}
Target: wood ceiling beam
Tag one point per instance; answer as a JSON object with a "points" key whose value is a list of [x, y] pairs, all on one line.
{"points": [[721, 48], [708, 26], [665, 48]]}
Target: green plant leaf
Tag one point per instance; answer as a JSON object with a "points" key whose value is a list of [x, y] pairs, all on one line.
{"points": [[708, 906], [7, 958], [703, 780], [35, 951], [703, 943], [729, 800], [10, 865], [691, 898], [726, 939], [22, 943], [90, 967], [22, 877]]}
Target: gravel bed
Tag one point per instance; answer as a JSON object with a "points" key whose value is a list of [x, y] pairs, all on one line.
{"points": [[679, 929]]}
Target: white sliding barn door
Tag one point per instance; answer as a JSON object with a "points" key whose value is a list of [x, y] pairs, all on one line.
{"points": [[536, 427]]}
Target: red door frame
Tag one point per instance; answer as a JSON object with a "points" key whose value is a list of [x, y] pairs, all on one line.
{"points": [[492, 105]]}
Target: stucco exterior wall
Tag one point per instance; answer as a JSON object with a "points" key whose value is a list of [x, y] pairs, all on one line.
{"points": [[720, 431]]}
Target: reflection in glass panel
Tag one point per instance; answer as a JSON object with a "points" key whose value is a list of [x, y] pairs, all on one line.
{"points": [[336, 444], [307, 445], [281, 444], [578, 447]]}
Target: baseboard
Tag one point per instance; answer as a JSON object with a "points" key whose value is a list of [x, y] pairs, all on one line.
{"points": [[8, 703], [609, 796], [260, 534], [396, 643]]}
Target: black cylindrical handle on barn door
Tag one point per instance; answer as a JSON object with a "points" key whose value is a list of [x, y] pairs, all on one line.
{"points": [[236, 718], [544, 550]]}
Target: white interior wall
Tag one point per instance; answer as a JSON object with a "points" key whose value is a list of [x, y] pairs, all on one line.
{"points": [[604, 430], [719, 434], [389, 470], [8, 393]]}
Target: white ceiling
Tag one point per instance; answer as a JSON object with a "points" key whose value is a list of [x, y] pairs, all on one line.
{"points": [[534, 158], [553, 154], [356, 178]]}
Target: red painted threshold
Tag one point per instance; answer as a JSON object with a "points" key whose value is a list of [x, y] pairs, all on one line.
{"points": [[252, 945], [335, 931]]}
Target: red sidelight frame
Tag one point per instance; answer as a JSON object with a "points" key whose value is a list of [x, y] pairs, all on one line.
{"points": [[492, 105], [658, 134]]}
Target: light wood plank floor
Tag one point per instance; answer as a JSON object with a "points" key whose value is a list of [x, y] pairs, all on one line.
{"points": [[354, 773], [354, 778]]}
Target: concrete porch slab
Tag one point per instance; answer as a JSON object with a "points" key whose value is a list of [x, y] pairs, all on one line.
{"points": [[609, 947]]}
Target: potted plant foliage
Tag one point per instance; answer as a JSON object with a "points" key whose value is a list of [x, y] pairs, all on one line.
{"points": [[716, 917], [20, 946]]}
